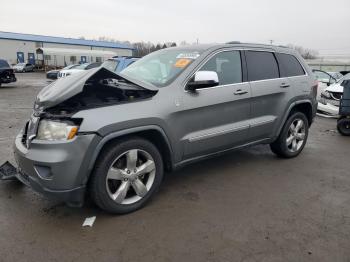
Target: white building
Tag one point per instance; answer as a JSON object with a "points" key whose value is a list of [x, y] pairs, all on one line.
{"points": [[52, 51]]}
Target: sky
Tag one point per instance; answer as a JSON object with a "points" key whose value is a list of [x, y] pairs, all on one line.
{"points": [[320, 25]]}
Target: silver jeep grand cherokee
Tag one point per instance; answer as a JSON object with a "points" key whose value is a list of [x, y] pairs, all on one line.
{"points": [[113, 135]]}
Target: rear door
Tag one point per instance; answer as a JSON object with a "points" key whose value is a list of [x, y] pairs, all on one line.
{"points": [[291, 68], [217, 118], [270, 93]]}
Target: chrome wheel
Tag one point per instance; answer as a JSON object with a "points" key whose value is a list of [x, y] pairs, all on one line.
{"points": [[296, 135], [131, 176]]}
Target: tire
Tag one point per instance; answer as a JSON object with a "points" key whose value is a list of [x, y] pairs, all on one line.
{"points": [[343, 126], [114, 180], [285, 146]]}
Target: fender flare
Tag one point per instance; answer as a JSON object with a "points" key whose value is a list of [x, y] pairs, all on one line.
{"points": [[124, 132], [290, 108]]}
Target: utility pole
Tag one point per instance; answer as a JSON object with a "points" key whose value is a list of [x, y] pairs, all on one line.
{"points": [[271, 42]]}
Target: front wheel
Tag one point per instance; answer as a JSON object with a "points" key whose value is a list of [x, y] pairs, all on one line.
{"points": [[293, 136], [343, 126], [127, 174]]}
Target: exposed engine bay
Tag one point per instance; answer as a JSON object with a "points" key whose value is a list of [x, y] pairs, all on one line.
{"points": [[104, 88]]}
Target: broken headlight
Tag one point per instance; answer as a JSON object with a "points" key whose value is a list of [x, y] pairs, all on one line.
{"points": [[326, 94], [55, 130]]}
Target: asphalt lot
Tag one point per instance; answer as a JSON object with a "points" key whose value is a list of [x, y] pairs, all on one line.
{"points": [[245, 206]]}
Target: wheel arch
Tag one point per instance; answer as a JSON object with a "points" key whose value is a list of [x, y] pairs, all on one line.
{"points": [[153, 133], [304, 106]]}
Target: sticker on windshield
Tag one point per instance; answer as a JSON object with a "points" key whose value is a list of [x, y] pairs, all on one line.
{"points": [[181, 63], [194, 55]]}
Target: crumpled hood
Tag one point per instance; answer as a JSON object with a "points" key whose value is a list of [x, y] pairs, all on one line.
{"points": [[337, 88], [67, 87]]}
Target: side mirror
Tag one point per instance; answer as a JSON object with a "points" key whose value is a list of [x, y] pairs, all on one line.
{"points": [[203, 79]]}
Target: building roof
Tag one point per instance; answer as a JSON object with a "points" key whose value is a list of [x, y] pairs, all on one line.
{"points": [[70, 51], [61, 40]]}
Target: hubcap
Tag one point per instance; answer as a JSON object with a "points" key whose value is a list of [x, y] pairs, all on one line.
{"points": [[296, 135], [131, 176]]}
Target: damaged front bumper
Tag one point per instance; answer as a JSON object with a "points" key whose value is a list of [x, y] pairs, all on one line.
{"points": [[54, 169], [328, 107]]}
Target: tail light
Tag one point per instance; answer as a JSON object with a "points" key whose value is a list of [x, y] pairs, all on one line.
{"points": [[314, 89]]}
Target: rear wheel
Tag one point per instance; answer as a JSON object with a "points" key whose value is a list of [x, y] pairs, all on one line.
{"points": [[293, 136], [126, 176], [343, 126]]}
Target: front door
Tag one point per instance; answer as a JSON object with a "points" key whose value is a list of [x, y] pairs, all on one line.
{"points": [[31, 58], [217, 118], [20, 57]]}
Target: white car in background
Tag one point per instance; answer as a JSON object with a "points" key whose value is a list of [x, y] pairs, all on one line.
{"points": [[330, 97], [23, 67], [76, 69]]}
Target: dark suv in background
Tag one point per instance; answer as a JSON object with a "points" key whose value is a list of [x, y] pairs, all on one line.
{"points": [[113, 135], [7, 74]]}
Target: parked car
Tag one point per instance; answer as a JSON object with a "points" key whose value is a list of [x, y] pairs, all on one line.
{"points": [[79, 68], [343, 123], [117, 64], [7, 74], [112, 135], [330, 97], [23, 67], [53, 74]]}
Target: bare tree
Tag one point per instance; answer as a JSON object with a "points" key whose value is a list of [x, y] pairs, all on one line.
{"points": [[184, 43], [306, 53]]}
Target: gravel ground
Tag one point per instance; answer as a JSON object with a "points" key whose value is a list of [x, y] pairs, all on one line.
{"points": [[245, 206]]}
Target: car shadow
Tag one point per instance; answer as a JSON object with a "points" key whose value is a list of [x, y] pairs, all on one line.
{"points": [[174, 182]]}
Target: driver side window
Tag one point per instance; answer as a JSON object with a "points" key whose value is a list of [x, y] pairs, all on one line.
{"points": [[227, 65]]}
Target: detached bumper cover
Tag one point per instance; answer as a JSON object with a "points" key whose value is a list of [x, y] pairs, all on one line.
{"points": [[55, 169]]}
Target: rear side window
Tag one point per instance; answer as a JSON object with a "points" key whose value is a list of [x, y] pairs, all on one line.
{"points": [[289, 66], [261, 65], [3, 64], [227, 65]]}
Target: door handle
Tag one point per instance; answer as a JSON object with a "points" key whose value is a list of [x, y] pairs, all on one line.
{"points": [[240, 92], [284, 85]]}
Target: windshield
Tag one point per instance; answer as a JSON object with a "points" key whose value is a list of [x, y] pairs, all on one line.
{"points": [[111, 65], [69, 67], [82, 66], [162, 67], [3, 64]]}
